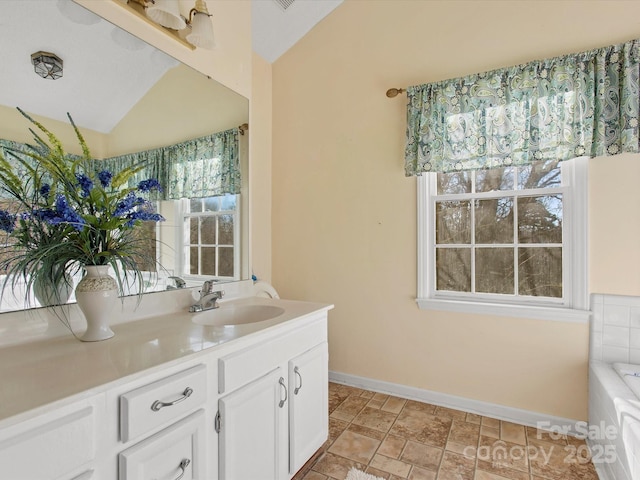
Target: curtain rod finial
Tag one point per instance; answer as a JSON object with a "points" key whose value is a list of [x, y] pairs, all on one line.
{"points": [[393, 92]]}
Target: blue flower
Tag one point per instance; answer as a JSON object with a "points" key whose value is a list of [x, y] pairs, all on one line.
{"points": [[63, 213], [7, 221], [45, 189], [86, 184], [105, 177], [144, 216], [148, 185]]}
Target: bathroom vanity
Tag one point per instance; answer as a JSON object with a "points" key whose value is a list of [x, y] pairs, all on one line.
{"points": [[171, 396]]}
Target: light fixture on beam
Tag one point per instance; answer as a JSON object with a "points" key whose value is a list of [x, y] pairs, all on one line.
{"points": [[47, 65], [166, 13]]}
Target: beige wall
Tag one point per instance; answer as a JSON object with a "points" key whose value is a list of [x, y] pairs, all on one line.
{"points": [[344, 222]]}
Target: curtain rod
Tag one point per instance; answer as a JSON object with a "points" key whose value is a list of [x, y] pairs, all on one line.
{"points": [[243, 128], [393, 92]]}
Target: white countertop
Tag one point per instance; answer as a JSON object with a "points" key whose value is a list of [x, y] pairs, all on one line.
{"points": [[40, 372]]}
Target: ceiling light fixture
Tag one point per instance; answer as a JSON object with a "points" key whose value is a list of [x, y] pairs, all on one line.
{"points": [[47, 65], [166, 13]]}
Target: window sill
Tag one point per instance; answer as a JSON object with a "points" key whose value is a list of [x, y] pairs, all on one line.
{"points": [[536, 312]]}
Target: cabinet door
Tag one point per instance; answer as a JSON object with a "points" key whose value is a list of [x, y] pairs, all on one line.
{"points": [[253, 435], [308, 406]]}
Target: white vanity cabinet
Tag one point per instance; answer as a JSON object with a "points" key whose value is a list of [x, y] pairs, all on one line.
{"points": [[273, 413], [58, 445], [227, 403]]}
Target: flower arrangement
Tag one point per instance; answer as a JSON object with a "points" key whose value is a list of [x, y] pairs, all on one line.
{"points": [[66, 211]]}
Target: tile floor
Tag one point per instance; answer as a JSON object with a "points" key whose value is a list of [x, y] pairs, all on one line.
{"points": [[394, 438]]}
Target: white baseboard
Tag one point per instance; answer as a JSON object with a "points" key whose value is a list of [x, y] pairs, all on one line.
{"points": [[501, 412]]}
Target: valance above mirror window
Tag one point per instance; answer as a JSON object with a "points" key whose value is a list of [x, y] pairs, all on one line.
{"points": [[584, 104], [203, 167]]}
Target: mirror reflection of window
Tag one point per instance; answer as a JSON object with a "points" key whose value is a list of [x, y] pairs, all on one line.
{"points": [[210, 240]]}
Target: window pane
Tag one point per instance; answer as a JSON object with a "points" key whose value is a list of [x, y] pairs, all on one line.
{"points": [[455, 182], [494, 270], [226, 230], [495, 179], [453, 269], [211, 204], [540, 272], [544, 174], [208, 230], [193, 231], [228, 202], [226, 261], [195, 205], [208, 261], [540, 219], [193, 260], [494, 220], [453, 222]]}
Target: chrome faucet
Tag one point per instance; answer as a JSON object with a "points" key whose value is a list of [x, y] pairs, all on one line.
{"points": [[208, 298]]}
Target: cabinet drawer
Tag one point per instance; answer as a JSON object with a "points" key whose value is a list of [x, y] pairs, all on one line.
{"points": [[162, 402], [49, 448], [175, 452], [240, 368]]}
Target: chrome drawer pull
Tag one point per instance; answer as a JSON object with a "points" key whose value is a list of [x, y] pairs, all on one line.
{"points": [[157, 405], [282, 402], [183, 466], [297, 372]]}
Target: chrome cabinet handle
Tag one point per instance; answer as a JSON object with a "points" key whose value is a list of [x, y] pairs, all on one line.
{"points": [[183, 466], [296, 370], [282, 402], [157, 405]]}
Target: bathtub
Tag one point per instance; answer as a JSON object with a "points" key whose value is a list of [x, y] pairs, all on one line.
{"points": [[614, 420]]}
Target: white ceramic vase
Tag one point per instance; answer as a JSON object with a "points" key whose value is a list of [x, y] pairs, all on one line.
{"points": [[97, 293]]}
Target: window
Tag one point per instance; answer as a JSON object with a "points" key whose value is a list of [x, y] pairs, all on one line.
{"points": [[210, 235], [509, 240]]}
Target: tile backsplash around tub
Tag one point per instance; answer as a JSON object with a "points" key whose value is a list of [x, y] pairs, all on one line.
{"points": [[615, 329]]}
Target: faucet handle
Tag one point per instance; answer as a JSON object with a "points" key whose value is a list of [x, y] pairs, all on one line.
{"points": [[207, 287]]}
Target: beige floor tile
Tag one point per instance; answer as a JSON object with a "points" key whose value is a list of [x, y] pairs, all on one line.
{"points": [[450, 412], [465, 433], [392, 446], [513, 433], [419, 406], [456, 467], [335, 466], [348, 409], [544, 436], [500, 472], [391, 465], [422, 427], [490, 422], [422, 455], [466, 450], [398, 439], [394, 405], [501, 453], [473, 418], [490, 432], [315, 476], [369, 432], [375, 419], [418, 473], [355, 446]]}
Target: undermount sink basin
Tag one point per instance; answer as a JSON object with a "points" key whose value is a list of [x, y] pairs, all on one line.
{"points": [[237, 315]]}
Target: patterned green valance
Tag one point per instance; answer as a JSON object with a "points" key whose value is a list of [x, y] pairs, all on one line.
{"points": [[560, 108], [203, 167]]}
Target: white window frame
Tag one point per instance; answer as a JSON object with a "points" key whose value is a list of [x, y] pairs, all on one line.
{"points": [[181, 213], [572, 308]]}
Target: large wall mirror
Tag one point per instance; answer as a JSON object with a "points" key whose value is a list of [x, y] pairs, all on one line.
{"points": [[127, 97]]}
